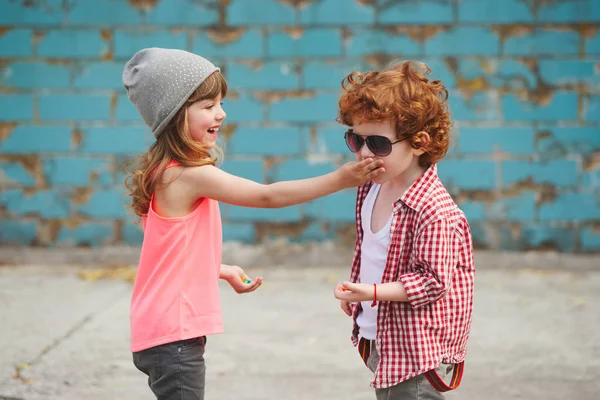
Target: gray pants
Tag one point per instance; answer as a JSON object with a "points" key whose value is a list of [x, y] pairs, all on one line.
{"points": [[176, 371], [417, 388]]}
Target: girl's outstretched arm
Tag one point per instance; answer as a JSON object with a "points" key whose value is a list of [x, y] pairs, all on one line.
{"points": [[211, 182]]}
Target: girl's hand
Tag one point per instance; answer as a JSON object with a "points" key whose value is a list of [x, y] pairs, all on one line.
{"points": [[346, 308], [357, 173], [353, 292], [236, 277]]}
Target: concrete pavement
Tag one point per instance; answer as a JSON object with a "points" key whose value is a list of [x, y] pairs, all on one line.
{"points": [[535, 336]]}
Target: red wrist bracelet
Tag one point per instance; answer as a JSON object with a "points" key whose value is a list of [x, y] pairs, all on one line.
{"points": [[374, 303]]}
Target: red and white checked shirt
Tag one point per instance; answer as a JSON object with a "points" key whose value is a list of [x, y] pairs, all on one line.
{"points": [[430, 252]]}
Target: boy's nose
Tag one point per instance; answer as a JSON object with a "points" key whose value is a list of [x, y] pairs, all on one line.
{"points": [[365, 152]]}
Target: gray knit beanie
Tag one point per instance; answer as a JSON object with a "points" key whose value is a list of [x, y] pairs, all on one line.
{"points": [[159, 81]]}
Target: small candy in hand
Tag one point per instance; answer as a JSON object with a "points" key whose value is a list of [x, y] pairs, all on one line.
{"points": [[246, 279]]}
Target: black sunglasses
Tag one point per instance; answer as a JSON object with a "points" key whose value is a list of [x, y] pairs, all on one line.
{"points": [[379, 145]]}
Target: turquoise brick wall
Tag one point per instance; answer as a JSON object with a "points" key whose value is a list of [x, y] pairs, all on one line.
{"points": [[524, 80]]}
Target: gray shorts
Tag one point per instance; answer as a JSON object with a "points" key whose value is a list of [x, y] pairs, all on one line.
{"points": [[417, 388], [176, 371]]}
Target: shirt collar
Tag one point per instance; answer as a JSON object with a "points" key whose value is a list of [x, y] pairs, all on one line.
{"points": [[416, 195]]}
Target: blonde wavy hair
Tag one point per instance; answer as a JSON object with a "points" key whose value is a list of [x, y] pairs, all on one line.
{"points": [[173, 144], [404, 95]]}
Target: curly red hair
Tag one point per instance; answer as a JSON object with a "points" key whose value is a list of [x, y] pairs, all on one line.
{"points": [[402, 94]]}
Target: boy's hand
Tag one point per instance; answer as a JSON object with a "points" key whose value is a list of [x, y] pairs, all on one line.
{"points": [[236, 277], [353, 292], [357, 173], [345, 305]]}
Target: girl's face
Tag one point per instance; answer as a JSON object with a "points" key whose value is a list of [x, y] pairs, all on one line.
{"points": [[204, 119]]}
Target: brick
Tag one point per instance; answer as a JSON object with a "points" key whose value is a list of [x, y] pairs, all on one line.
{"points": [[126, 111], [17, 232], [106, 13], [482, 106], [301, 169], [440, 70], [26, 139], [101, 75], [322, 107], [330, 12], [590, 239], [75, 107], [72, 43], [132, 233], [24, 75], [14, 174], [253, 170], [244, 108], [182, 12], [468, 174], [542, 42], [45, 203], [260, 12], [328, 75], [444, 43], [560, 141], [16, 43], [265, 141], [417, 12], [50, 12], [93, 234], [569, 11], [316, 42], [16, 107], [521, 208], [340, 206], [511, 74], [331, 141], [363, 42], [248, 45], [488, 140], [77, 171], [106, 203], [557, 173], [128, 43], [591, 178], [544, 236], [591, 108], [474, 210], [267, 76], [569, 72], [318, 231], [592, 44], [571, 206], [244, 233], [562, 106], [494, 12], [116, 140], [286, 214]]}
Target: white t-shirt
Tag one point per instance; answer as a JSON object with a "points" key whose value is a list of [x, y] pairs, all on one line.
{"points": [[372, 262]]}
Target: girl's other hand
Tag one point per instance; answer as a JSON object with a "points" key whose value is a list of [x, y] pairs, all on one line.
{"points": [[357, 173], [238, 280]]}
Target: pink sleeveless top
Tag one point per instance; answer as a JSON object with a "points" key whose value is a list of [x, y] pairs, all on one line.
{"points": [[176, 290]]}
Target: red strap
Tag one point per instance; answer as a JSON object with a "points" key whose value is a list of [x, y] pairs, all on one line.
{"points": [[374, 303], [439, 385]]}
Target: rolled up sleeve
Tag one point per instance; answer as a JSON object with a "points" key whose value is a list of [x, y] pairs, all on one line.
{"points": [[431, 273]]}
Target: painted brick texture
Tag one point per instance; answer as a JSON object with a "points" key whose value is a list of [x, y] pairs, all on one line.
{"points": [[524, 81]]}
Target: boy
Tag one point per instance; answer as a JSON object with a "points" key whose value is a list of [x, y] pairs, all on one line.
{"points": [[412, 276]]}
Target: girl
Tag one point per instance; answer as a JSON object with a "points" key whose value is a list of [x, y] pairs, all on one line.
{"points": [[175, 189]]}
